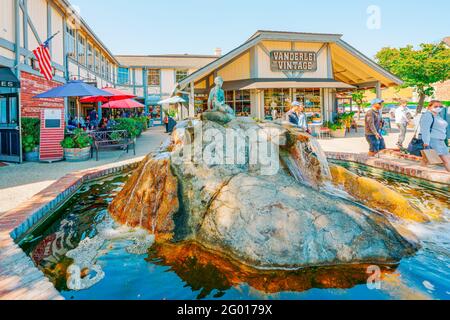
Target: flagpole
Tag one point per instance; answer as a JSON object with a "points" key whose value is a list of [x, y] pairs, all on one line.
{"points": [[31, 54]]}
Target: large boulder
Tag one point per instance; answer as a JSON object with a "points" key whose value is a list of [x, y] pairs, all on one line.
{"points": [[275, 222]]}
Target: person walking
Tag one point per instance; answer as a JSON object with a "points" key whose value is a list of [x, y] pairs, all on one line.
{"points": [[433, 131], [402, 119], [292, 115], [374, 125], [302, 118]]}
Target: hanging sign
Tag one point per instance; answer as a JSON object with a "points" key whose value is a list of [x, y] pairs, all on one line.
{"points": [[52, 133], [303, 61]]}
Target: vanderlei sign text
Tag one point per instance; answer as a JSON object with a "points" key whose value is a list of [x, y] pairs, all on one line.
{"points": [[293, 61]]}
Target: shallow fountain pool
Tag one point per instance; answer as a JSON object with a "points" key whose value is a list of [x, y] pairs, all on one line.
{"points": [[188, 271]]}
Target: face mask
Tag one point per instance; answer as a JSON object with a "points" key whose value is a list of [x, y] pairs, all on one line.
{"points": [[437, 110]]}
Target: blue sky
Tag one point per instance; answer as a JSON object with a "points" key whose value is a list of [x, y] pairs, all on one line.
{"points": [[199, 26]]}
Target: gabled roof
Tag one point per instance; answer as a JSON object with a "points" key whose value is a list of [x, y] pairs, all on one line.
{"points": [[289, 36]]}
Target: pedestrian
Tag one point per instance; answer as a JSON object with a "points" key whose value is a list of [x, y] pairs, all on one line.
{"points": [[302, 118], [374, 125], [433, 131], [166, 122], [445, 114], [93, 116], [292, 115], [402, 119]]}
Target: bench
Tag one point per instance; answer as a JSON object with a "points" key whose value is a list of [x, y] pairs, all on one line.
{"points": [[112, 139]]}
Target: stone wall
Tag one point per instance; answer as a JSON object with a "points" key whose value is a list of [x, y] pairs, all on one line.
{"points": [[32, 85]]}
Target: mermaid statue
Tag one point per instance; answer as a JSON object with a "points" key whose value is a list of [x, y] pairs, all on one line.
{"points": [[218, 111]]}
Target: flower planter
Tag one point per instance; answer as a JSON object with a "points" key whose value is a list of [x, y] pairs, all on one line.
{"points": [[340, 133], [32, 156], [77, 155]]}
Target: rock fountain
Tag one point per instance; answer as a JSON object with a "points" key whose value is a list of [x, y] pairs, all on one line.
{"points": [[262, 194]]}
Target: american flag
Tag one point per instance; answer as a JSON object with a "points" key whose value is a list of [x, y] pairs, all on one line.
{"points": [[42, 54]]}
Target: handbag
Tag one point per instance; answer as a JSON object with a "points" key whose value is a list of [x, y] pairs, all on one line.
{"points": [[416, 146]]}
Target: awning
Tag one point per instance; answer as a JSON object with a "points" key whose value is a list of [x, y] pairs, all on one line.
{"points": [[285, 84], [152, 100], [8, 79]]}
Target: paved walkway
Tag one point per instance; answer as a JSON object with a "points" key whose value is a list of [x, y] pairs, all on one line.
{"points": [[356, 142], [18, 183], [354, 147]]}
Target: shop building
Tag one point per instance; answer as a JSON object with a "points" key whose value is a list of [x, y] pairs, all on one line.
{"points": [[76, 53], [154, 78], [272, 69]]}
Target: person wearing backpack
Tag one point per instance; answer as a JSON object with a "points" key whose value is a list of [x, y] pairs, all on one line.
{"points": [[433, 131]]}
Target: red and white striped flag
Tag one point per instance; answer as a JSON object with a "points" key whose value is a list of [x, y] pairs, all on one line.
{"points": [[42, 54]]}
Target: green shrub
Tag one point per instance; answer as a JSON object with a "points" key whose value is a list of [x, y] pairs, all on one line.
{"points": [[143, 121], [31, 133], [129, 125], [78, 140]]}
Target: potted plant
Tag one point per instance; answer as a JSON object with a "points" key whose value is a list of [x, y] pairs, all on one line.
{"points": [[337, 128], [31, 128], [77, 146]]}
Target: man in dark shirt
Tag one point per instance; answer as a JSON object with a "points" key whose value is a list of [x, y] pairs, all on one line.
{"points": [[374, 124]]}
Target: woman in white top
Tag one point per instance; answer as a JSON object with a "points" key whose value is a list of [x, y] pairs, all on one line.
{"points": [[433, 130]]}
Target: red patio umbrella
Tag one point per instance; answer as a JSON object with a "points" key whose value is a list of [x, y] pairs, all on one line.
{"points": [[116, 95], [123, 104]]}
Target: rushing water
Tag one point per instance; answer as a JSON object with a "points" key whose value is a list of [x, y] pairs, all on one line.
{"points": [[187, 271]]}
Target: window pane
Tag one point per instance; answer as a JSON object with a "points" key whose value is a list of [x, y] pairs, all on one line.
{"points": [[3, 106], [81, 50], [123, 76], [153, 77], [181, 74], [90, 57], [13, 113]]}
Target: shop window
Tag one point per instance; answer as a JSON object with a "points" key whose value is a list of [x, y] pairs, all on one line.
{"points": [[201, 103], [310, 98], [239, 100], [81, 50], [154, 77], [181, 75], [71, 42], [123, 76], [276, 99]]}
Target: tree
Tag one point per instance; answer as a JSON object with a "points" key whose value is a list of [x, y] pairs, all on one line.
{"points": [[419, 68], [359, 97]]}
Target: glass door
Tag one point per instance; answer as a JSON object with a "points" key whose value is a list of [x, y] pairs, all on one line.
{"points": [[9, 128]]}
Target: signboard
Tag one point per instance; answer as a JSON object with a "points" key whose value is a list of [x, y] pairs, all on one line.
{"points": [[52, 118], [52, 133], [300, 61]]}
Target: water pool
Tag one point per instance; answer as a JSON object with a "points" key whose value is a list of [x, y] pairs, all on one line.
{"points": [[188, 271]]}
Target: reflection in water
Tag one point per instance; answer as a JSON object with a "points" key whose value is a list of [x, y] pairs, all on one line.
{"points": [[189, 271], [205, 271]]}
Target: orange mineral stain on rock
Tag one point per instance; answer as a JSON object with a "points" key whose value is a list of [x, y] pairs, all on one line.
{"points": [[376, 195], [149, 199], [206, 270]]}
